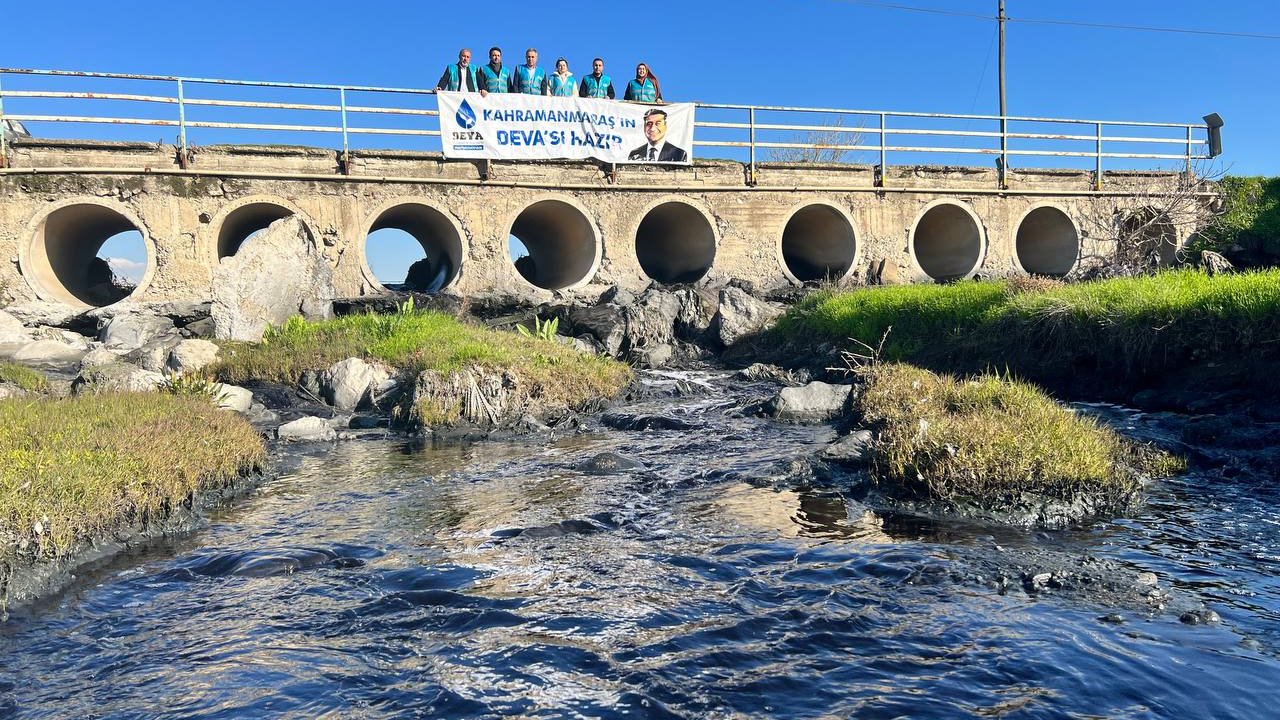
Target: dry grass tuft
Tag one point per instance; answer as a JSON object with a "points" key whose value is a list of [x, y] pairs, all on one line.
{"points": [[23, 376], [987, 438]]}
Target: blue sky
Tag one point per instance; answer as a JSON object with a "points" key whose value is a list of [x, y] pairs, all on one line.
{"points": [[803, 52]]}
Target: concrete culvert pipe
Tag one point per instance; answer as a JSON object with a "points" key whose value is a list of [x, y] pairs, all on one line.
{"points": [[1047, 242], [439, 237], [63, 255], [245, 221], [947, 242], [1150, 231], [562, 244], [675, 243], [818, 243]]}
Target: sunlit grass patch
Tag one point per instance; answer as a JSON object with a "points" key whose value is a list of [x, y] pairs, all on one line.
{"points": [[22, 376], [80, 468], [989, 438], [552, 373]]}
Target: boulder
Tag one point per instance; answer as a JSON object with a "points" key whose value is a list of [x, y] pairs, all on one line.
{"points": [[133, 330], [47, 351], [155, 354], [1214, 263], [275, 275], [351, 384], [604, 322], [741, 315], [815, 402], [116, 377], [651, 320], [8, 391], [50, 314], [12, 330], [698, 308], [191, 356], [852, 449], [234, 397], [98, 356], [610, 463], [652, 357], [427, 277], [761, 372], [306, 429], [483, 397]]}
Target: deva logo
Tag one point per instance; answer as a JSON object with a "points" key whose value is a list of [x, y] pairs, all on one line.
{"points": [[466, 117]]}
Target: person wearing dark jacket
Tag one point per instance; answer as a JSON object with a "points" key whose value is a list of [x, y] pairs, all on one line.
{"points": [[657, 149], [459, 76], [493, 77], [597, 84]]}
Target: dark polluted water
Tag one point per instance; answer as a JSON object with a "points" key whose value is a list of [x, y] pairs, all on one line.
{"points": [[392, 579]]}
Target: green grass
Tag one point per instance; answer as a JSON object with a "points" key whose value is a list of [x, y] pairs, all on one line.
{"points": [[414, 342], [1132, 326], [80, 468], [22, 376], [988, 439]]}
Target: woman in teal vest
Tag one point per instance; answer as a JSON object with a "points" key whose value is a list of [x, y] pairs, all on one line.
{"points": [[645, 87], [562, 82]]}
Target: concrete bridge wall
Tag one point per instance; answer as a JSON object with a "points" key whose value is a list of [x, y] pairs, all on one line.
{"points": [[61, 199]]}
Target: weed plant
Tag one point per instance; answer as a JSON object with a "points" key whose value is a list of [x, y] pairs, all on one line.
{"points": [[22, 376]]}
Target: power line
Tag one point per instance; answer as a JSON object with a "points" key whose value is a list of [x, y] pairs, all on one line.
{"points": [[1069, 23]]}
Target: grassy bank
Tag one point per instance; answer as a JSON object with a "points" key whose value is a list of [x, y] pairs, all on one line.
{"points": [[22, 376], [414, 342], [992, 441], [1131, 326], [82, 468]]}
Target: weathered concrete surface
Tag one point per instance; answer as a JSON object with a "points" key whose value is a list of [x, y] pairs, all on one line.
{"points": [[185, 217]]}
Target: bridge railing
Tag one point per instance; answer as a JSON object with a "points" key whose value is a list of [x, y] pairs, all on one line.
{"points": [[224, 110]]}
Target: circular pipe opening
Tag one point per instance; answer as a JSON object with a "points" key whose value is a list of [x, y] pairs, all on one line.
{"points": [[947, 242], [1047, 242], [675, 243], [560, 243], [416, 245], [1151, 233], [66, 255], [246, 221], [818, 243]]}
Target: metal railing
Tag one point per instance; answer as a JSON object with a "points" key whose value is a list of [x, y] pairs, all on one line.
{"points": [[829, 133]]}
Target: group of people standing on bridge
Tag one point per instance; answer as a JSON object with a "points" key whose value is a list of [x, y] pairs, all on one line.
{"points": [[529, 79]]}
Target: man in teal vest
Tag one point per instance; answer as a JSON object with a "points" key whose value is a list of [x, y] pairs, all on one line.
{"points": [[460, 75], [597, 84], [493, 77], [529, 79]]}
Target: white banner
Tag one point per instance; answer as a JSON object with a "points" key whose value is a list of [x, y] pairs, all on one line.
{"points": [[506, 126]]}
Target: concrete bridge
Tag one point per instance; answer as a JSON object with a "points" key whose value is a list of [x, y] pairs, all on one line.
{"points": [[583, 223]]}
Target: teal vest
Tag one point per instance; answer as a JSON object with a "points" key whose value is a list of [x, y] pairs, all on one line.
{"points": [[494, 83], [643, 92], [455, 77], [567, 88], [597, 88], [529, 83]]}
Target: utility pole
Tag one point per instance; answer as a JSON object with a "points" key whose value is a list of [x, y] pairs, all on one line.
{"points": [[1004, 124]]}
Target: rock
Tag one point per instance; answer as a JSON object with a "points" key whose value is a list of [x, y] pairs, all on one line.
{"points": [[587, 345], [116, 377], [741, 315], [8, 391], [234, 397], [617, 295], [258, 414], [1148, 578], [12, 330], [484, 397], [51, 314], [622, 420], [154, 356], [191, 356], [306, 429], [760, 372], [98, 356], [852, 449], [610, 463], [606, 323], [200, 329], [367, 422], [426, 277], [350, 384], [652, 357], [651, 321], [815, 402], [1214, 263], [47, 351], [279, 273], [1200, 617], [132, 331], [698, 308], [1112, 618]]}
